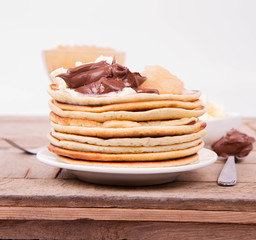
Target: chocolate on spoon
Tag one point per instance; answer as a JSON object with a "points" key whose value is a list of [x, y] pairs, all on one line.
{"points": [[234, 145]]}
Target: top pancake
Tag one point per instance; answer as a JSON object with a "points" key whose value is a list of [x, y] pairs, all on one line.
{"points": [[64, 96]]}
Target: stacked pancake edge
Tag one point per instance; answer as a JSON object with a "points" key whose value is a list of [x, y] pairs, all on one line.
{"points": [[141, 130]]}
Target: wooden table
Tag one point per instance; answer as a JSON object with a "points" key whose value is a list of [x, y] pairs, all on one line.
{"points": [[38, 201]]}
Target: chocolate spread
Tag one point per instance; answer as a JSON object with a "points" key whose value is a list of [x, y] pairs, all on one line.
{"points": [[102, 77], [234, 143]]}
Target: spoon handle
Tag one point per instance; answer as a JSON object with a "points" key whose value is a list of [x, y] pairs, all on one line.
{"points": [[228, 174]]}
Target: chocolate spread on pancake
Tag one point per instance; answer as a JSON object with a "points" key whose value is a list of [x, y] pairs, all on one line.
{"points": [[102, 77], [234, 143]]}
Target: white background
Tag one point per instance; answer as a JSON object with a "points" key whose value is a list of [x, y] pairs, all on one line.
{"points": [[209, 44]]}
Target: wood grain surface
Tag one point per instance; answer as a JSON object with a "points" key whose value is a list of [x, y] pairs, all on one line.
{"points": [[43, 202], [121, 230]]}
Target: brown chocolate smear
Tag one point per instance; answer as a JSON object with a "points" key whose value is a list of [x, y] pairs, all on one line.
{"points": [[235, 143], [102, 77]]}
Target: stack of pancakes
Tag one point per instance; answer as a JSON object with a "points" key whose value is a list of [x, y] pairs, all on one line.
{"points": [[136, 130]]}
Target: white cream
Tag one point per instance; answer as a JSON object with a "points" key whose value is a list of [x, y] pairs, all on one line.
{"points": [[109, 60], [213, 110], [124, 92], [60, 83]]}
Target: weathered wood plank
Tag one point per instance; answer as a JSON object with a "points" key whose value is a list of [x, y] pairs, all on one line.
{"points": [[27, 131], [249, 127], [114, 214], [90, 230], [245, 173], [28, 125], [15, 164], [25, 141], [176, 195]]}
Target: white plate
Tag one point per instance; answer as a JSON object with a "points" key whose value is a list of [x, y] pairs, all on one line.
{"points": [[128, 176]]}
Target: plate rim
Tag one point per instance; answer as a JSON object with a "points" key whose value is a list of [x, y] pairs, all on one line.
{"points": [[49, 158]]}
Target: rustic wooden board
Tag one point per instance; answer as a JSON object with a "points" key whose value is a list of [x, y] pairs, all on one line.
{"points": [[15, 164], [245, 172], [176, 195], [115, 214], [22, 128], [91, 230], [29, 132], [249, 127], [27, 122]]}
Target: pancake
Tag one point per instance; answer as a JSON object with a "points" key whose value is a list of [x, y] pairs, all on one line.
{"points": [[129, 106], [130, 142], [64, 96], [77, 146], [155, 131], [118, 123], [154, 164], [148, 115], [126, 157]]}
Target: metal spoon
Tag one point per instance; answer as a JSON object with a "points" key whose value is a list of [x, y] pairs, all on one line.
{"points": [[228, 176], [32, 151]]}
